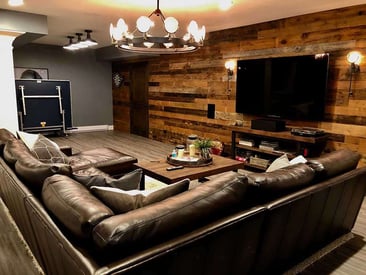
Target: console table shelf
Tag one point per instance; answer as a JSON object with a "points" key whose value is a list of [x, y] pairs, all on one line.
{"points": [[289, 144]]}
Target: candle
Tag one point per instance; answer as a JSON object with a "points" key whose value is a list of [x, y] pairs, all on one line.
{"points": [[192, 150]]}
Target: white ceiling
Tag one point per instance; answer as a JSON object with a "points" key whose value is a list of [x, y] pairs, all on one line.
{"points": [[66, 17]]}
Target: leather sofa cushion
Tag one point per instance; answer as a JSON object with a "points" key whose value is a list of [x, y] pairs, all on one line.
{"points": [[5, 135], [102, 158], [34, 172], [121, 201], [334, 163], [15, 149], [73, 205], [175, 215], [285, 179], [28, 167]]}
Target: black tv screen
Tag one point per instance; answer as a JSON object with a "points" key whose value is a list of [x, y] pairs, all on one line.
{"points": [[286, 87]]}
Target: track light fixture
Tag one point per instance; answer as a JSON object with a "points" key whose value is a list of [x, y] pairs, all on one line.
{"points": [[80, 43]]}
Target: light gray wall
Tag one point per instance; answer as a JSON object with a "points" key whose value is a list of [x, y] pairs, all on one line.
{"points": [[91, 85]]}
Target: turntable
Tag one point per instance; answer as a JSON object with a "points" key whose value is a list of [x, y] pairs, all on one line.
{"points": [[307, 132]]}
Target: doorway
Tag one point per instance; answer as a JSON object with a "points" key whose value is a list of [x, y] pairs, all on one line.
{"points": [[139, 108]]}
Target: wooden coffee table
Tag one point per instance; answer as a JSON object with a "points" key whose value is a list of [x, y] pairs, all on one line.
{"points": [[157, 169]]}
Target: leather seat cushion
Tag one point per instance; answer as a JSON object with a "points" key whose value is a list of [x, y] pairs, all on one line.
{"points": [[73, 205], [172, 216], [102, 158]]}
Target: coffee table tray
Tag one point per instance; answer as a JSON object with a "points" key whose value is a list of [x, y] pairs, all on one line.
{"points": [[189, 162]]}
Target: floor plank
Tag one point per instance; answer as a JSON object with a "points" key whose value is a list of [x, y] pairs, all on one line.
{"points": [[349, 258]]}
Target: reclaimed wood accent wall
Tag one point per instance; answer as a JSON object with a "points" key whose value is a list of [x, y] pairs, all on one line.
{"points": [[182, 86]]}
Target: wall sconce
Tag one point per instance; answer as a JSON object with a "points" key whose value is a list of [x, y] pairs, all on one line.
{"points": [[354, 58], [229, 65]]}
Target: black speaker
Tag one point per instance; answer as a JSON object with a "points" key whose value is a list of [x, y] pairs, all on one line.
{"points": [[211, 111], [267, 124]]}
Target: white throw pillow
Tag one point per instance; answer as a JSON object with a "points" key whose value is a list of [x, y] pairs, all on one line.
{"points": [[278, 163], [28, 139]]}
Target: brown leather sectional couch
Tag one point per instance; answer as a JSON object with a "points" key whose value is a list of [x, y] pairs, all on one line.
{"points": [[234, 224]]}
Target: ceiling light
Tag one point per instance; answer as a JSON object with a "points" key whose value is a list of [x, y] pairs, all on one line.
{"points": [[71, 46], [15, 3], [140, 40], [88, 40], [80, 43], [224, 5]]}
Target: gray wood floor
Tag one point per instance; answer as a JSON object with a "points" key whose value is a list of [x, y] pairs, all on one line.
{"points": [[349, 258]]}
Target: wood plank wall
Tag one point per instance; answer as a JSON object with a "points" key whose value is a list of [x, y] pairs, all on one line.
{"points": [[182, 86]]}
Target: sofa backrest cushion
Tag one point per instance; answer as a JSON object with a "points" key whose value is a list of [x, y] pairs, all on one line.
{"points": [[283, 179], [175, 215], [15, 149], [73, 205], [334, 163], [34, 172], [121, 201], [5, 135]]}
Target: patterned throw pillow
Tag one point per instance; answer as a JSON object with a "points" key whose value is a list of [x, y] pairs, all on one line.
{"points": [[121, 201], [43, 148]]}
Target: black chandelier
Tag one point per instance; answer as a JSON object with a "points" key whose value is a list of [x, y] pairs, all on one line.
{"points": [[140, 40]]}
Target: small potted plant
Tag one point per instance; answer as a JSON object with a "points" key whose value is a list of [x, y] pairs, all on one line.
{"points": [[204, 146]]}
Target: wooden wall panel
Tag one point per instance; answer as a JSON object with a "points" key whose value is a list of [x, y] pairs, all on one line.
{"points": [[182, 86]]}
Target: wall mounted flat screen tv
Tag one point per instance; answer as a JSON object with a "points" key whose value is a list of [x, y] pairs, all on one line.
{"points": [[291, 88]]}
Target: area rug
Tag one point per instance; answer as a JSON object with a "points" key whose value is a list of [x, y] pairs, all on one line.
{"points": [[152, 184]]}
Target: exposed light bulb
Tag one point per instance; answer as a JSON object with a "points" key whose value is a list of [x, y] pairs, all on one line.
{"points": [[171, 24], [148, 44], [144, 24], [354, 57], [230, 65]]}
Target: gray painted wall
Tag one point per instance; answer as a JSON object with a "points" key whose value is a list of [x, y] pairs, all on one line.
{"points": [[91, 85]]}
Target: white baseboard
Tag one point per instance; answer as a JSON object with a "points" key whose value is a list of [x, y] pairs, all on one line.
{"points": [[91, 128]]}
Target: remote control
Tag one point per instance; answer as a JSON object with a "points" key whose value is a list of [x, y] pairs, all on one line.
{"points": [[171, 168]]}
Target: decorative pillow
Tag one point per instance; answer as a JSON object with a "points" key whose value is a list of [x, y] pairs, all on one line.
{"points": [[123, 201], [129, 181], [95, 177], [278, 163], [43, 148], [28, 139]]}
